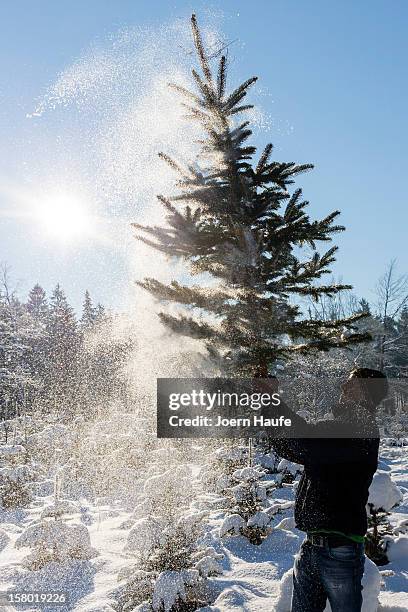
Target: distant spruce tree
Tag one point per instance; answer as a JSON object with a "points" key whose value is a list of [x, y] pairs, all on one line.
{"points": [[89, 312], [237, 221], [14, 373], [37, 304], [38, 310], [62, 352]]}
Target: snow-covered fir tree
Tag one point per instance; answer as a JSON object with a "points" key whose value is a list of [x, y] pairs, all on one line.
{"points": [[384, 495], [16, 473], [172, 568], [247, 494], [37, 304], [244, 492], [52, 540]]}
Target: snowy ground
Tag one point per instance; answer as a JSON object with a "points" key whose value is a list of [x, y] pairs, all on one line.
{"points": [[252, 574]]}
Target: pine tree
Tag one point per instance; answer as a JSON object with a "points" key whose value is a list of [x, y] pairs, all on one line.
{"points": [[100, 312], [62, 351], [89, 313], [364, 306], [38, 311], [239, 222], [9, 357], [16, 472], [378, 527], [37, 303], [15, 376], [171, 565]]}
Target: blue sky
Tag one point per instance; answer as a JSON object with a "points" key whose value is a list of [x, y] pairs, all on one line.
{"points": [[332, 80]]}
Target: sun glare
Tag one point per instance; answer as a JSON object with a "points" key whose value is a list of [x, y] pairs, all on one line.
{"points": [[63, 216]]}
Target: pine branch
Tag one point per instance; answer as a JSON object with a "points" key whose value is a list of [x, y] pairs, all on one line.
{"points": [[325, 344], [187, 326], [213, 301], [186, 93], [222, 78], [238, 94], [174, 165], [205, 89], [263, 160], [200, 49], [241, 109], [316, 291]]}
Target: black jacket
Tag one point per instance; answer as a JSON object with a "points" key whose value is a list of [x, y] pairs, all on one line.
{"points": [[333, 490]]}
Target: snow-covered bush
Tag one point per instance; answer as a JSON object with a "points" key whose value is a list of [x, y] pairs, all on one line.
{"points": [[49, 439], [55, 541], [401, 527], [207, 561], [145, 535], [176, 546], [106, 460], [171, 567], [268, 461], [383, 493], [247, 496], [287, 472], [51, 539], [233, 524], [58, 508], [397, 550], [16, 473], [383, 496], [168, 590], [170, 587], [216, 474]]}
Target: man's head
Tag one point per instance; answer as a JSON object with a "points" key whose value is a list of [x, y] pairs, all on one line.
{"points": [[364, 387]]}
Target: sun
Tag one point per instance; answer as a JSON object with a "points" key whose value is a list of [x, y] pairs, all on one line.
{"points": [[63, 216]]}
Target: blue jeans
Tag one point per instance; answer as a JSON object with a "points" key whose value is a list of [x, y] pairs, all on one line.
{"points": [[322, 573]]}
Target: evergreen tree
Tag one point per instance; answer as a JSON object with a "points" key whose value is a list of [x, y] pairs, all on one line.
{"points": [[16, 472], [10, 354], [63, 348], [37, 309], [89, 313], [378, 527], [16, 333], [37, 303], [171, 565], [364, 306], [100, 312], [239, 222]]}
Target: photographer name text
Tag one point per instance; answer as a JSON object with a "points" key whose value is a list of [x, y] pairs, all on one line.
{"points": [[219, 421]]}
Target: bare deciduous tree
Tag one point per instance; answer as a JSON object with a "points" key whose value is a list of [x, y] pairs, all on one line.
{"points": [[392, 297]]}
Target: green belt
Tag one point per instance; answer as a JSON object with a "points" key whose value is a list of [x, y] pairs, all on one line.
{"points": [[350, 536]]}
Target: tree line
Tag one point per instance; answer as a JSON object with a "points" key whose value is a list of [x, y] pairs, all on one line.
{"points": [[53, 361]]}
